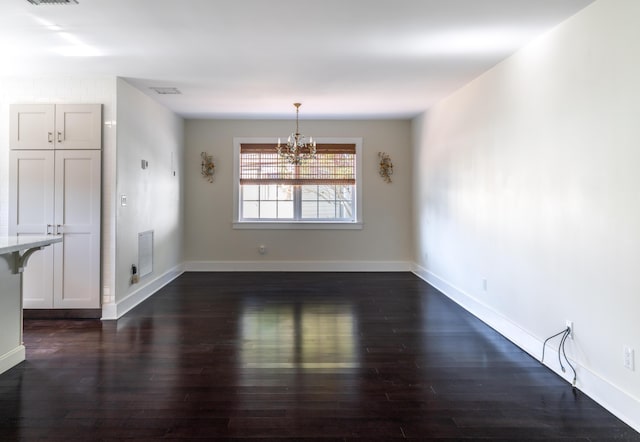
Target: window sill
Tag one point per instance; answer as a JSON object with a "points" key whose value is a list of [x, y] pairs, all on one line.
{"points": [[298, 225]]}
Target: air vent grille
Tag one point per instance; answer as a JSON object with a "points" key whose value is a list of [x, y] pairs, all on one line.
{"points": [[53, 2], [166, 90]]}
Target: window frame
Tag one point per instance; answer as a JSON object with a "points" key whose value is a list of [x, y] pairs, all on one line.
{"points": [[355, 224]]}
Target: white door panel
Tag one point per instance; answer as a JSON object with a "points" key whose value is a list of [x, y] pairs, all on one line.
{"points": [[77, 201], [31, 211], [32, 126], [78, 126], [31, 192]]}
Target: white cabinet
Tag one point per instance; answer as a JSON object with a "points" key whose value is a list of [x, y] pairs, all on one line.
{"points": [[55, 188], [55, 126], [58, 192]]}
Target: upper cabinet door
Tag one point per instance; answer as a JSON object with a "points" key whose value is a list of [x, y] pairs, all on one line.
{"points": [[32, 126], [59, 126], [78, 126]]}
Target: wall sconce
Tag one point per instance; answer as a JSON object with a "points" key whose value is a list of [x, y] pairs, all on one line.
{"points": [[207, 166], [385, 166]]}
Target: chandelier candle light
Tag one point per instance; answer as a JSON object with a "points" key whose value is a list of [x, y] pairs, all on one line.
{"points": [[298, 148]]}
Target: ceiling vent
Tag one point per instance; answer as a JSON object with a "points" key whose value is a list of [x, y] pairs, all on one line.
{"points": [[166, 90], [53, 2]]}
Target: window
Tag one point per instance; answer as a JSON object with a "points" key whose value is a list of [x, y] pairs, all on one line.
{"points": [[320, 191]]}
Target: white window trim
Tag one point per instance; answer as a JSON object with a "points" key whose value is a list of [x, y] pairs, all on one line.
{"points": [[357, 224]]}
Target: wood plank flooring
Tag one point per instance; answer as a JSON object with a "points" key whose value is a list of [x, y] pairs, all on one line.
{"points": [[316, 356]]}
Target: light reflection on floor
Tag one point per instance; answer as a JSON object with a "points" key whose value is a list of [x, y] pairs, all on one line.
{"points": [[299, 336]]}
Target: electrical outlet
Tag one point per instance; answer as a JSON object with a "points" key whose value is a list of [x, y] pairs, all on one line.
{"points": [[484, 284], [262, 249], [629, 354], [134, 274], [569, 324]]}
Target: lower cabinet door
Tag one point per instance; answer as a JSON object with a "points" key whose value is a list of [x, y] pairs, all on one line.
{"points": [[31, 201], [77, 217]]}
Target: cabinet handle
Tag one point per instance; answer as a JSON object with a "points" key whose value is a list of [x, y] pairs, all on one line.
{"points": [[50, 137], [59, 137], [49, 226], [59, 229]]}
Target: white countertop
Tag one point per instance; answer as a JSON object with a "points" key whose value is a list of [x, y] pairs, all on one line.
{"points": [[10, 244]]}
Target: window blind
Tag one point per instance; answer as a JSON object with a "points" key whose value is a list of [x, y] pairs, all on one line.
{"points": [[334, 164]]}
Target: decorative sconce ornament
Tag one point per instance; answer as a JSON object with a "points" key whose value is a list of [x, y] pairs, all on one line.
{"points": [[385, 166], [208, 168]]}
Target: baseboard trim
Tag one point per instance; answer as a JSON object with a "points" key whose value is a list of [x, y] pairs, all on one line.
{"points": [[118, 309], [611, 397], [113, 311], [297, 266], [12, 358]]}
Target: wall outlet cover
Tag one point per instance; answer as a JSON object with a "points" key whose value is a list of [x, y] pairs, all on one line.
{"points": [[629, 354], [569, 324]]}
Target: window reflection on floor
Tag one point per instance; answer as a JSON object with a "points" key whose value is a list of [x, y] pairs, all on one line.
{"points": [[301, 336]]}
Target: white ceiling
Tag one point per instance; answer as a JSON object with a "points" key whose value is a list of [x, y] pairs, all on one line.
{"points": [[254, 58]]}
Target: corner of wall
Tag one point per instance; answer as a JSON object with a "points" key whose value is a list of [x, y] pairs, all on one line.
{"points": [[117, 309]]}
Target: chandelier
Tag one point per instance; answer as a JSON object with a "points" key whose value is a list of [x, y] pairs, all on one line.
{"points": [[298, 147]]}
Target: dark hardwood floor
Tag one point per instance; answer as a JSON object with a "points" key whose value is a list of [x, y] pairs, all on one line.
{"points": [[331, 356]]}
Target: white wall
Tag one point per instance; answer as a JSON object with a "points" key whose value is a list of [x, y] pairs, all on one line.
{"points": [[384, 242], [147, 130], [67, 89], [528, 178]]}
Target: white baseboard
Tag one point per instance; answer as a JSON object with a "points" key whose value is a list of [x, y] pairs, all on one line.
{"points": [[112, 311], [615, 400], [297, 266], [118, 309], [12, 358]]}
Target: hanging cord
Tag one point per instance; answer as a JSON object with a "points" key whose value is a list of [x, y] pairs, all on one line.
{"points": [[564, 353], [561, 346], [561, 352], [547, 340]]}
